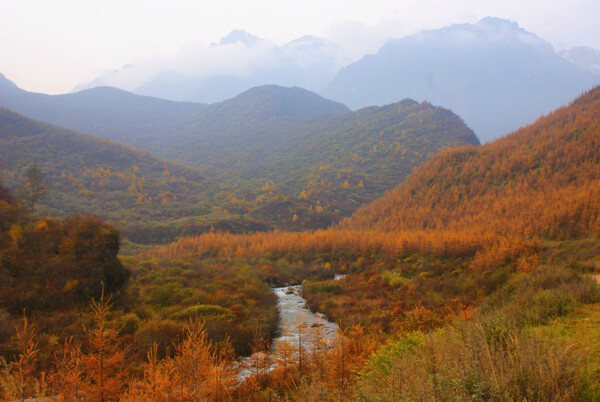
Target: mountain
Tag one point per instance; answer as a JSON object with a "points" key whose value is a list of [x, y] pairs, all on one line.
{"points": [[245, 127], [239, 36], [286, 152], [282, 156], [584, 57], [542, 180], [276, 152], [238, 62], [348, 160], [494, 74], [141, 120]]}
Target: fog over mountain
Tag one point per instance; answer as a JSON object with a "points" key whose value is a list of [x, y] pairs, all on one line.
{"points": [[494, 74], [583, 56], [222, 70]]}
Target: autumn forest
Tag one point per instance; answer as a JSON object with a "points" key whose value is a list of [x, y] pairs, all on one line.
{"points": [[449, 269]]}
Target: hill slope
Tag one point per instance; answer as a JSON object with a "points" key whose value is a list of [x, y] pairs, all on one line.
{"points": [[87, 174], [494, 74], [246, 126], [543, 179], [311, 175]]}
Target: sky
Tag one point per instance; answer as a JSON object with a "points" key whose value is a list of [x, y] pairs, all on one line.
{"points": [[53, 46]]}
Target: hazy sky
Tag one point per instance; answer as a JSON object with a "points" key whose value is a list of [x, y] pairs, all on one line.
{"points": [[51, 46]]}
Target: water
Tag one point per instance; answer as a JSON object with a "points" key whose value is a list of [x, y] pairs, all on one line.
{"points": [[297, 320], [299, 327]]}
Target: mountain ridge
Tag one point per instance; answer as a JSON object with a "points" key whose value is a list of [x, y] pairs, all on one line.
{"points": [[494, 74]]}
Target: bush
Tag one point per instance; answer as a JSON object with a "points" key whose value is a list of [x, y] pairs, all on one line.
{"points": [[129, 324], [202, 310]]}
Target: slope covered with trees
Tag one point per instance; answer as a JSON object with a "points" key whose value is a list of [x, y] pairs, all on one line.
{"points": [[88, 174], [543, 180], [359, 155], [310, 176]]}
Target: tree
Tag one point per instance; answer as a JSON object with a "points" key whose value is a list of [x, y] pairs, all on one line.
{"points": [[17, 379], [33, 187], [9, 206], [68, 379], [157, 383], [104, 363]]}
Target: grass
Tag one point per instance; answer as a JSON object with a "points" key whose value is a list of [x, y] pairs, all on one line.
{"points": [[536, 338], [582, 330]]}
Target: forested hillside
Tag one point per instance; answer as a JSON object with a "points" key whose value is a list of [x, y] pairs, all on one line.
{"points": [[543, 180], [282, 157], [338, 164]]}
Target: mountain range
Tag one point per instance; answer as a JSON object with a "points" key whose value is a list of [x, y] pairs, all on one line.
{"points": [[494, 74], [167, 127], [272, 156]]}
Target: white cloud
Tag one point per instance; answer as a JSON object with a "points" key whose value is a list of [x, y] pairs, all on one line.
{"points": [[203, 60], [50, 46]]}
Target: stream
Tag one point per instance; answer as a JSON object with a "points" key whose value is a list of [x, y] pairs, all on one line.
{"points": [[296, 321]]}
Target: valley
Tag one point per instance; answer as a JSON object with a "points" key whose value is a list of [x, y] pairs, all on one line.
{"points": [[449, 275], [393, 236]]}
